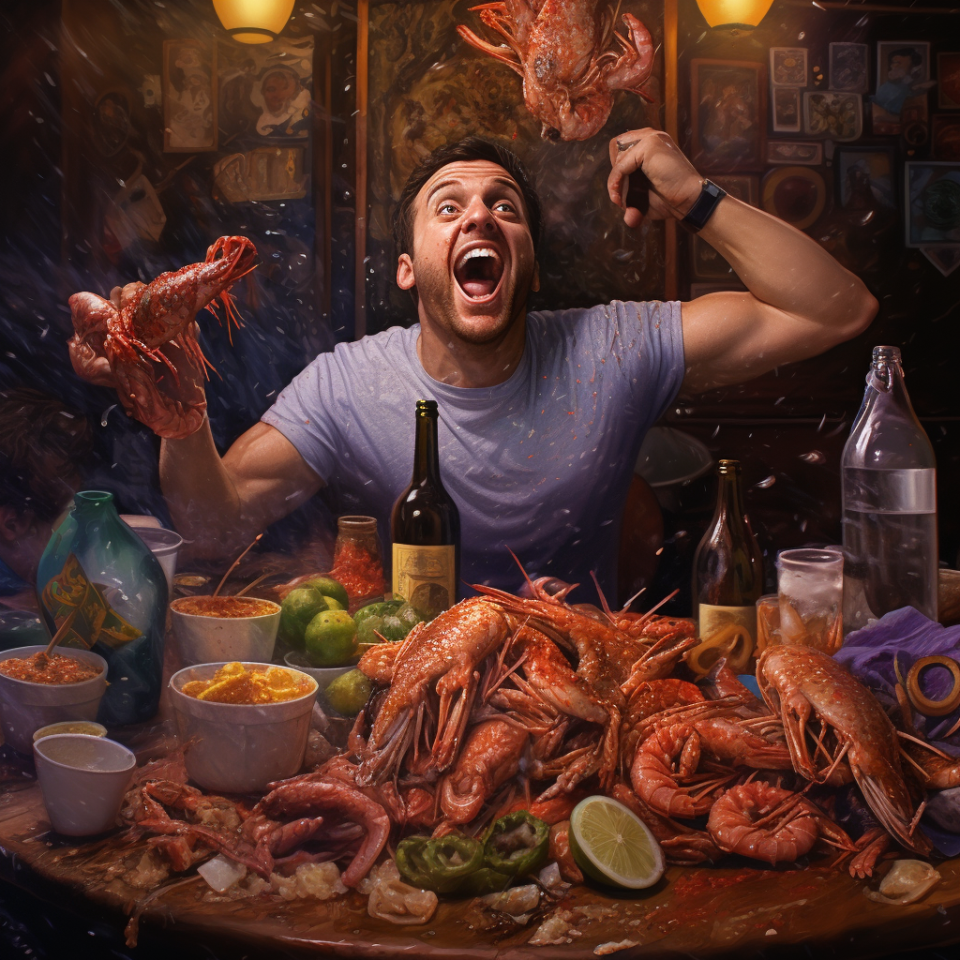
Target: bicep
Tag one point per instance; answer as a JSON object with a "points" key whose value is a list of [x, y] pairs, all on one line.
{"points": [[270, 476], [731, 336]]}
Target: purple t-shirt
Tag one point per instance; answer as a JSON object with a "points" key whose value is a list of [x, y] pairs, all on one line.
{"points": [[540, 463]]}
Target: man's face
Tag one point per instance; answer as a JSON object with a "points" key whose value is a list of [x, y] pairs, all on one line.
{"points": [[900, 66], [473, 261], [278, 88]]}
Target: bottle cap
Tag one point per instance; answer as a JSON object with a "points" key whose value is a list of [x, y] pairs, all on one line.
{"points": [[886, 354], [728, 466], [426, 407]]}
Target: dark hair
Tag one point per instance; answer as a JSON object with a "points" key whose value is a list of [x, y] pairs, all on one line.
{"points": [[41, 444], [467, 149], [911, 52]]}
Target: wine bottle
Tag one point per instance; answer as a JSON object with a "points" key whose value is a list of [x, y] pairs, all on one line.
{"points": [[888, 476], [727, 580], [425, 527]]}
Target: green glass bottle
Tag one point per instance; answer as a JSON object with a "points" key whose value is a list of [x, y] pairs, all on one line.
{"points": [[98, 572]]}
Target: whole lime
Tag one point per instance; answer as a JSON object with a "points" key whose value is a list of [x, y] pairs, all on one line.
{"points": [[331, 638], [370, 630], [408, 616], [299, 607], [349, 692], [379, 609], [393, 629], [331, 588]]}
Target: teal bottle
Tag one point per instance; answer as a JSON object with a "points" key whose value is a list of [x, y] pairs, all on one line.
{"points": [[100, 575]]}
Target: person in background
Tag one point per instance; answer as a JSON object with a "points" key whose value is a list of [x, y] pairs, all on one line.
{"points": [[43, 448]]}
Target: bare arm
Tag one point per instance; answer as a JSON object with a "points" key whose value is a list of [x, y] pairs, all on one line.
{"points": [[222, 504], [799, 300]]}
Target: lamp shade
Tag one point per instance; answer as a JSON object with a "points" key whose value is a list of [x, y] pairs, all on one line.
{"points": [[253, 21], [734, 13]]}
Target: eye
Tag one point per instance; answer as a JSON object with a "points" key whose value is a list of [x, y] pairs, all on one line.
{"points": [[446, 208], [504, 206]]}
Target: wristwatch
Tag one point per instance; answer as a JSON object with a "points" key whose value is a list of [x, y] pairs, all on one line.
{"points": [[698, 215]]}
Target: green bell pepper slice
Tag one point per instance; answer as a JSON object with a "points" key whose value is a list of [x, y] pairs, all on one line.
{"points": [[517, 844], [439, 864]]}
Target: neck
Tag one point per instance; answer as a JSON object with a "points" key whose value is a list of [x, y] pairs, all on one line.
{"points": [[459, 363]]}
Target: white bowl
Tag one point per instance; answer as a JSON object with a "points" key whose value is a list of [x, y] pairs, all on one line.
{"points": [[323, 675], [83, 780], [165, 546], [27, 706], [87, 727], [206, 639], [235, 748]]}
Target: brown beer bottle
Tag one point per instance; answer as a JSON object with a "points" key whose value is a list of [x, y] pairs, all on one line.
{"points": [[727, 580], [425, 527]]}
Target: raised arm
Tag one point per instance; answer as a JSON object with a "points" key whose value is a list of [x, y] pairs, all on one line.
{"points": [[799, 301], [222, 504]]}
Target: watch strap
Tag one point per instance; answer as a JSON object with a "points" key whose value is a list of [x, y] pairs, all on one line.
{"points": [[702, 210]]}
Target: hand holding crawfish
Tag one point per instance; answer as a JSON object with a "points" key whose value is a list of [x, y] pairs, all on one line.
{"points": [[118, 342]]}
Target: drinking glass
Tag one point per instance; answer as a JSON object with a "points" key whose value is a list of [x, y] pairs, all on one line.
{"points": [[810, 588], [768, 622]]}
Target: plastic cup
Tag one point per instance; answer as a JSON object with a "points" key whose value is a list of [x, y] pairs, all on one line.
{"points": [[83, 780], [164, 545], [810, 591]]}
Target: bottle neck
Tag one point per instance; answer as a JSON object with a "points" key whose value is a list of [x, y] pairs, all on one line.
{"points": [[89, 503], [729, 499], [426, 454]]}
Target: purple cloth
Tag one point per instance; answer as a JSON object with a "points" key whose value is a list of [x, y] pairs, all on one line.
{"points": [[907, 635]]}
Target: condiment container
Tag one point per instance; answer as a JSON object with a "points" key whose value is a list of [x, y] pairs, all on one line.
{"points": [[26, 706], [87, 727], [358, 560], [165, 546], [239, 748], [83, 780], [208, 638], [98, 574]]}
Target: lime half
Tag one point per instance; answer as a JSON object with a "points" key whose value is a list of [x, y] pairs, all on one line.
{"points": [[613, 845]]}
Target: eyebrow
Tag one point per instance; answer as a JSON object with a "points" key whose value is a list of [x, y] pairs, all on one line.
{"points": [[443, 184]]}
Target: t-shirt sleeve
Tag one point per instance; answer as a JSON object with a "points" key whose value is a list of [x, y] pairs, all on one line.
{"points": [[664, 332], [303, 413]]}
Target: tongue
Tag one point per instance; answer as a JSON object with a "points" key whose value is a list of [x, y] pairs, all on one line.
{"points": [[478, 288]]}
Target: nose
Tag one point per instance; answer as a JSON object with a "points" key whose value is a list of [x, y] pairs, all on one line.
{"points": [[478, 217]]}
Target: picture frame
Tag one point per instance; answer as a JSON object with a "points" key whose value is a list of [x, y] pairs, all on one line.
{"points": [[945, 137], [264, 93], [948, 81], [866, 168], [268, 173], [833, 116], [788, 66], [903, 72], [932, 202], [189, 96], [805, 152], [849, 70], [785, 109], [728, 110], [741, 187]]}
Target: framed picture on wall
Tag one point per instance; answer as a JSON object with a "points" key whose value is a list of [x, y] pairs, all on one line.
{"points": [[945, 137], [848, 64], [866, 178], [729, 115], [189, 98], [806, 152], [785, 104], [743, 188], [788, 66], [948, 81], [932, 195], [833, 116]]}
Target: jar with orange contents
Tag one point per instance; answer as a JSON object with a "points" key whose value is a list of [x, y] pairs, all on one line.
{"points": [[358, 560]]}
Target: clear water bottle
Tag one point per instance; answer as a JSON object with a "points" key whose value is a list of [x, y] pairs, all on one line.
{"points": [[888, 474]]}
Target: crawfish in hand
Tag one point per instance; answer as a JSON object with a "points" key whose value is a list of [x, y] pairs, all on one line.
{"points": [[130, 337]]}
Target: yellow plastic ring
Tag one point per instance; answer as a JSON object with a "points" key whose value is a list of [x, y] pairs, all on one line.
{"points": [[922, 703]]}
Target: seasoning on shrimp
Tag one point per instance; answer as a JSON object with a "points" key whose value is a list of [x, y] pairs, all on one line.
{"points": [[55, 669]]}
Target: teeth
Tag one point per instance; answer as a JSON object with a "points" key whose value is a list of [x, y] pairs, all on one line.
{"points": [[478, 252]]}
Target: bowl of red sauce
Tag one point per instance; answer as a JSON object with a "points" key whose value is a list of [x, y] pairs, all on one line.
{"points": [[36, 690], [210, 629]]}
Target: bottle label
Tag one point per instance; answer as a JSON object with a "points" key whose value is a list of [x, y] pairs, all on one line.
{"points": [[890, 491], [729, 632], [425, 576], [70, 596]]}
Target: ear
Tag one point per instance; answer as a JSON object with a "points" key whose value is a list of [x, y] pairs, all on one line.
{"points": [[405, 277], [12, 524], [535, 283]]}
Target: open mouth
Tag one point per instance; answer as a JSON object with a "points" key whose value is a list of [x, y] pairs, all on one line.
{"points": [[478, 272]]}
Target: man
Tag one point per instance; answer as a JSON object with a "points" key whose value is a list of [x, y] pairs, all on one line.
{"points": [[542, 414], [903, 76]]}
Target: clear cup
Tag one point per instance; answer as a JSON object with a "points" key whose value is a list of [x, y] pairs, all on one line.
{"points": [[810, 591], [768, 622]]}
